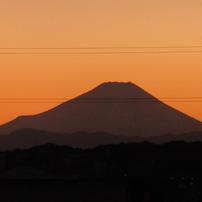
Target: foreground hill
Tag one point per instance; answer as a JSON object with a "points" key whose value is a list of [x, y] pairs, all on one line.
{"points": [[118, 108]]}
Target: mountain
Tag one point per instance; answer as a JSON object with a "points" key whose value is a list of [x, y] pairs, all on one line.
{"points": [[113, 107]]}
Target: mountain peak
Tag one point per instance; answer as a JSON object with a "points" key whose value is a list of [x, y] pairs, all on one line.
{"points": [[117, 83], [117, 90]]}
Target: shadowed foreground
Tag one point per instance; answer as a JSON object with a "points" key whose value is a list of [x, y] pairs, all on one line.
{"points": [[132, 172]]}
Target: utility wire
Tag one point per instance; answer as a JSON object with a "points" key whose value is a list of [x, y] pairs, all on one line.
{"points": [[96, 50], [104, 98], [97, 53], [107, 47], [191, 101], [100, 100]]}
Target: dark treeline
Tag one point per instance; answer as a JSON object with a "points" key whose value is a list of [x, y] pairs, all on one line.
{"points": [[124, 160], [141, 171]]}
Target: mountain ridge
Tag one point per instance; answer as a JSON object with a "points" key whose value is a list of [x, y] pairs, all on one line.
{"points": [[27, 138]]}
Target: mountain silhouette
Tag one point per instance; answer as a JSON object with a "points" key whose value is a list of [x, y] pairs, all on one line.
{"points": [[113, 107]]}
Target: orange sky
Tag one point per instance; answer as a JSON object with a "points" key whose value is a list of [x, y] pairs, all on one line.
{"points": [[98, 23]]}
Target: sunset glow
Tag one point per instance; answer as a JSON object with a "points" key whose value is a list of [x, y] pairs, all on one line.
{"points": [[28, 78]]}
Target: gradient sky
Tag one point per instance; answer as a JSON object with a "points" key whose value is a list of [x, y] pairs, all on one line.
{"points": [[98, 23]]}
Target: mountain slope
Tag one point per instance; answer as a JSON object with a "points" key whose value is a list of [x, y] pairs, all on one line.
{"points": [[113, 107]]}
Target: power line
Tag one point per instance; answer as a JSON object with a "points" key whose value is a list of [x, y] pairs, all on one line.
{"points": [[96, 50], [107, 47], [100, 98], [96, 53], [98, 102]]}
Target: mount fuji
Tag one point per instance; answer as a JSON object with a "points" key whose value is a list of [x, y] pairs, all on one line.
{"points": [[113, 107]]}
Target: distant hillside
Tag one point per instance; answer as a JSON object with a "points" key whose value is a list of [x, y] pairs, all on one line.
{"points": [[27, 138]]}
